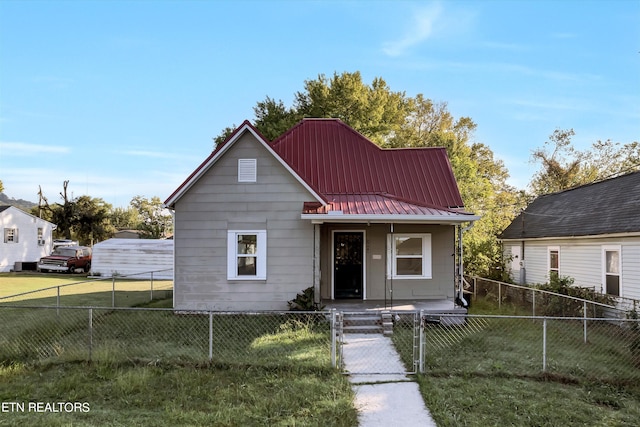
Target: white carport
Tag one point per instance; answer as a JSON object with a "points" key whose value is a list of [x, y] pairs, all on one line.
{"points": [[133, 257]]}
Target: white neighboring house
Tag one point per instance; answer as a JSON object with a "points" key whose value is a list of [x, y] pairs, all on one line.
{"points": [[25, 238], [135, 258], [589, 233]]}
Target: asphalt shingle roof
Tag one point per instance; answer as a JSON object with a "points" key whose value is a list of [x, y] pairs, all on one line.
{"points": [[605, 207]]}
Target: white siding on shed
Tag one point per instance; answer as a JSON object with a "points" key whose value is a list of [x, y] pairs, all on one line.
{"points": [[133, 257]]}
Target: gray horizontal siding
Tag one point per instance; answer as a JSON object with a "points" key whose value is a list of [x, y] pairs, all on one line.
{"points": [[217, 203]]}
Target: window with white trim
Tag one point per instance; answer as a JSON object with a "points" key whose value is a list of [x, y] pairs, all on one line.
{"points": [[247, 170], [247, 255], [554, 262], [611, 271], [409, 256], [40, 236], [11, 235]]}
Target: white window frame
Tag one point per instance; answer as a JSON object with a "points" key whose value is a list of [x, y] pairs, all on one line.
{"points": [[11, 235], [232, 255], [549, 250], [611, 248], [247, 170], [392, 263]]}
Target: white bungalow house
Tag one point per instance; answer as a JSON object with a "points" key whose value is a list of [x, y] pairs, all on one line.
{"points": [[589, 233], [25, 239], [322, 207]]}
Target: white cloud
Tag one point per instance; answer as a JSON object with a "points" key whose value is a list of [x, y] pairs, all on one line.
{"points": [[420, 29], [11, 149]]}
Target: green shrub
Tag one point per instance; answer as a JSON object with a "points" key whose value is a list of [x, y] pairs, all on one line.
{"points": [[304, 301], [552, 305]]}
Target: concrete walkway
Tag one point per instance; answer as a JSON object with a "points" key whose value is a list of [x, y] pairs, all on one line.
{"points": [[384, 397]]}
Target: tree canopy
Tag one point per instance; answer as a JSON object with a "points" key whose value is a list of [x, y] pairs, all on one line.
{"points": [[562, 166], [83, 218]]}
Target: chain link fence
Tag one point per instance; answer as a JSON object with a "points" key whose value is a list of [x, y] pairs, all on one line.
{"points": [[116, 291], [527, 300], [162, 335], [572, 348]]}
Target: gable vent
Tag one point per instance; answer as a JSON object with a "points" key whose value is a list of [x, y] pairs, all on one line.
{"points": [[247, 170]]}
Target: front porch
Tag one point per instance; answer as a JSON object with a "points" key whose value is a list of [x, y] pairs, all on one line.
{"points": [[431, 306]]}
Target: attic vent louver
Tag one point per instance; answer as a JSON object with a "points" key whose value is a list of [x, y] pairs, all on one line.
{"points": [[247, 170]]}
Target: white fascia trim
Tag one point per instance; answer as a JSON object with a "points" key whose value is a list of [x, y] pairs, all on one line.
{"points": [[224, 149], [433, 219]]}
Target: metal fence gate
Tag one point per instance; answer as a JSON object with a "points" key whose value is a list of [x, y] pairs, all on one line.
{"points": [[378, 343]]}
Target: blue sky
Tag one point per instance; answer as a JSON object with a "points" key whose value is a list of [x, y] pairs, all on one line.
{"points": [[123, 98]]}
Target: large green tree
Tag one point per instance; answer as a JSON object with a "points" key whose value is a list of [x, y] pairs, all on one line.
{"points": [[155, 221], [373, 110], [562, 166], [83, 218], [125, 218], [481, 177], [92, 220]]}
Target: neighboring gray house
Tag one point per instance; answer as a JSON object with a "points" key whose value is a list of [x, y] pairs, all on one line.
{"points": [[25, 239], [589, 233], [323, 207]]}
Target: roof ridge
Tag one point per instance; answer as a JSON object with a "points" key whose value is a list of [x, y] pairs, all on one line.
{"points": [[590, 184]]}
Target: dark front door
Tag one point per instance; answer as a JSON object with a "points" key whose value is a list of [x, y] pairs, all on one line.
{"points": [[348, 248]]}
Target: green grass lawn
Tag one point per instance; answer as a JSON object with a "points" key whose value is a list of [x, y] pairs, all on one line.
{"points": [[152, 368], [171, 394], [488, 372], [39, 289]]}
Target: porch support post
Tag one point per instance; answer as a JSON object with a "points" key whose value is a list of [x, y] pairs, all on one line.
{"points": [[316, 263]]}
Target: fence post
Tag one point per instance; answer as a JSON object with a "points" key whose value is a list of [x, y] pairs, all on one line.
{"points": [[90, 332], [544, 345], [333, 337], [421, 344], [499, 296], [113, 291], [584, 310], [210, 336], [475, 288], [152, 286], [58, 302]]}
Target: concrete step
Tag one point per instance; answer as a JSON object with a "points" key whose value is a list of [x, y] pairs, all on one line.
{"points": [[368, 323]]}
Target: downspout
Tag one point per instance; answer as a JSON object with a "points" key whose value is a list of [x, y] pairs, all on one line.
{"points": [[460, 300], [391, 270]]}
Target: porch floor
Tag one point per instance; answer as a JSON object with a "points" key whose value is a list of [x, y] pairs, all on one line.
{"points": [[429, 306]]}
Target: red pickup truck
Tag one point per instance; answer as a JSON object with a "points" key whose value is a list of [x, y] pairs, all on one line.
{"points": [[67, 259]]}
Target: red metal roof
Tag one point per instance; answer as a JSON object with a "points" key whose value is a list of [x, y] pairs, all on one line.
{"points": [[351, 175], [336, 160], [374, 204]]}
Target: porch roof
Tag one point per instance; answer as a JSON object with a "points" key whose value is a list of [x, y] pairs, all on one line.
{"points": [[376, 207]]}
